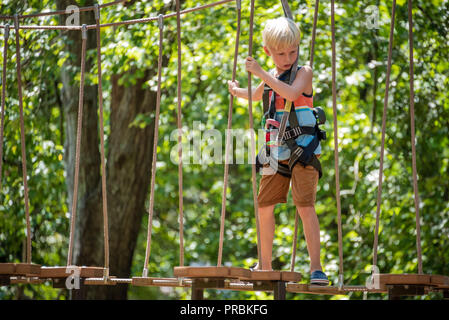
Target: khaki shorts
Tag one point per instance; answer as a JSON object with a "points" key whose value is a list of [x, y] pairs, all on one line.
{"points": [[273, 188]]}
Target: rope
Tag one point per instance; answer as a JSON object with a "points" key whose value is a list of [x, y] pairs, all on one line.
{"points": [[181, 206], [295, 240], [412, 124], [251, 125], [382, 148], [103, 162], [156, 135], [5, 57], [78, 145], [312, 46], [312, 53], [228, 136], [165, 16], [127, 22], [337, 173], [22, 140], [62, 12]]}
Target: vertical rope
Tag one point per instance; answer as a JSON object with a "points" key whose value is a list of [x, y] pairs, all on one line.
{"points": [[5, 65], [412, 125], [312, 46], [251, 126], [382, 148], [181, 205], [22, 139], [228, 137], [156, 135], [78, 146], [312, 53], [337, 173], [295, 240], [103, 162]]}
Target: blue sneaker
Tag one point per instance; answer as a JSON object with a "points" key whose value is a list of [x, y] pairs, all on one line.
{"points": [[319, 278]]}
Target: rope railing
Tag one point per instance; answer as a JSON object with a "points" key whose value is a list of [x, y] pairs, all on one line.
{"points": [[382, 148], [337, 172], [179, 123], [22, 141], [312, 54], [78, 147], [253, 143], [228, 137], [413, 141], [5, 61], [103, 162], [62, 12], [126, 22], [155, 139]]}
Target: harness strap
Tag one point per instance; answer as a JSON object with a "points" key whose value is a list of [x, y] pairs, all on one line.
{"points": [[298, 131]]}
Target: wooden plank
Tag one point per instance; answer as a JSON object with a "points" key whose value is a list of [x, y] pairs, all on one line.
{"points": [[20, 269], [235, 272], [263, 275], [27, 269], [7, 268], [210, 272], [314, 289], [406, 278], [60, 272], [290, 276], [142, 281], [201, 272], [439, 280]]}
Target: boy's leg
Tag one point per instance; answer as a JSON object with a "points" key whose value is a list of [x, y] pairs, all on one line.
{"points": [[266, 225], [273, 189], [312, 234], [304, 186]]}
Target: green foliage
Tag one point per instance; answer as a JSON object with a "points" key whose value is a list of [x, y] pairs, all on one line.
{"points": [[207, 53]]}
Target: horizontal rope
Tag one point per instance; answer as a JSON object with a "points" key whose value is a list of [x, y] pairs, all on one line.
{"points": [[61, 12], [127, 22]]}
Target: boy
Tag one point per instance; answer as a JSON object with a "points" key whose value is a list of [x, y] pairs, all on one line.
{"points": [[281, 39]]}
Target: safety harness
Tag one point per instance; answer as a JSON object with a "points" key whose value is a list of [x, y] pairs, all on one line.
{"points": [[304, 155]]}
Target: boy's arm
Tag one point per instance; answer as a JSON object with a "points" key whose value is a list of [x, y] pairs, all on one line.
{"points": [[243, 92], [292, 92]]}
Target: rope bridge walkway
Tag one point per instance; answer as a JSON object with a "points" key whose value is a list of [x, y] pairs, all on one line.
{"points": [[219, 276]]}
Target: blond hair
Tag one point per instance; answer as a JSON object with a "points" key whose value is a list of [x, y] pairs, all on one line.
{"points": [[281, 33]]}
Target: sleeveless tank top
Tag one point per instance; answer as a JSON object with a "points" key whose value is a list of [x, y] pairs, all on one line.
{"points": [[303, 108]]}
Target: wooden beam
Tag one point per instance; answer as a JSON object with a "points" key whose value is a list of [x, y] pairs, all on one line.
{"points": [[263, 275], [64, 272], [20, 269], [211, 272]]}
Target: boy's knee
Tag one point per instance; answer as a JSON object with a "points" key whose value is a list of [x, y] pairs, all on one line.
{"points": [[306, 211]]}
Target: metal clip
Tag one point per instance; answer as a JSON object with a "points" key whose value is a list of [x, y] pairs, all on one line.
{"points": [[160, 21], [6, 31], [340, 282], [84, 32], [97, 11], [16, 21], [145, 273], [105, 275]]}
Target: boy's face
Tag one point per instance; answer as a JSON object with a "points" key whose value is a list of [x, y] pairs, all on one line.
{"points": [[282, 58]]}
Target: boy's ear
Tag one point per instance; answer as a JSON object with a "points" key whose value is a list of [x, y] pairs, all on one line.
{"points": [[267, 51]]}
